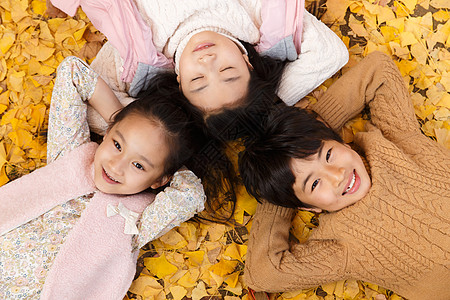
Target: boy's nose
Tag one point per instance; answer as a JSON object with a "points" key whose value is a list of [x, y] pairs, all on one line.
{"points": [[336, 175]]}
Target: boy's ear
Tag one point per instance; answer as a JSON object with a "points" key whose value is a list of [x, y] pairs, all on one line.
{"points": [[178, 78], [160, 182], [312, 209]]}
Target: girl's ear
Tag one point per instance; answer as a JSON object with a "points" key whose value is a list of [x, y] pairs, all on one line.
{"points": [[247, 61], [160, 182], [178, 78], [312, 209]]}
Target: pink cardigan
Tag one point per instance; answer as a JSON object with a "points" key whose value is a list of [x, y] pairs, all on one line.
{"points": [[97, 260]]}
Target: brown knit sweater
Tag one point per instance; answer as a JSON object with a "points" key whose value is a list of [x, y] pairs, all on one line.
{"points": [[398, 235]]}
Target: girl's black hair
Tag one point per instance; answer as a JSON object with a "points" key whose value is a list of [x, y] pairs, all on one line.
{"points": [[208, 159], [165, 110], [265, 164]]}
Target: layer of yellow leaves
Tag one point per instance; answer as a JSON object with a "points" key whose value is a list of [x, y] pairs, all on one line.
{"points": [[198, 260], [31, 48]]}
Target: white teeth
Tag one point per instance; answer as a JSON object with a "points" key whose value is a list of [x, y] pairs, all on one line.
{"points": [[351, 183], [109, 176]]}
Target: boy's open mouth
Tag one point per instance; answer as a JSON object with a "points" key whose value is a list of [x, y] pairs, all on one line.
{"points": [[351, 183]]}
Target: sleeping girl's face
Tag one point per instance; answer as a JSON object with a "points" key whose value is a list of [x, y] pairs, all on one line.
{"points": [[331, 179], [213, 72], [131, 157]]}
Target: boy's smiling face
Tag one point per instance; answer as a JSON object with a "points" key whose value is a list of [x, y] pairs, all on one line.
{"points": [[331, 179]]}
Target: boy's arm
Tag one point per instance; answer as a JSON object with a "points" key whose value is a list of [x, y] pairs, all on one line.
{"points": [[272, 266], [322, 54], [75, 84], [176, 204], [377, 82]]}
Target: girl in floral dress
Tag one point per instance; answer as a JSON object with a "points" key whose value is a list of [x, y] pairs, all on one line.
{"points": [[68, 230]]}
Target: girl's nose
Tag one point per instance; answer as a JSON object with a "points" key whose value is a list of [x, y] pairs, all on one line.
{"points": [[117, 165], [207, 58]]}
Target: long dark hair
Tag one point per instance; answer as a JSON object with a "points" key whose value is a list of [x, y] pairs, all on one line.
{"points": [[265, 164], [165, 109]]}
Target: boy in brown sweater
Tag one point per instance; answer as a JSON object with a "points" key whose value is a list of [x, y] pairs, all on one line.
{"points": [[389, 225]]}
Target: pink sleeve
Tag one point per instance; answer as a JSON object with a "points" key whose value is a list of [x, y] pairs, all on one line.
{"points": [[121, 23], [281, 19]]}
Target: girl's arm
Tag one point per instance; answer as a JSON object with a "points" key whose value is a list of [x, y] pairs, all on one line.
{"points": [[272, 266], [322, 54], [176, 204], [75, 84], [377, 82]]}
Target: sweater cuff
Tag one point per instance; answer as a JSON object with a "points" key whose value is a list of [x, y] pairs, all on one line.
{"points": [[275, 210], [331, 110]]}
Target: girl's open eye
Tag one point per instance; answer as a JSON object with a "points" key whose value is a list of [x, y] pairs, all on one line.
{"points": [[117, 145], [327, 157], [138, 165], [314, 185]]}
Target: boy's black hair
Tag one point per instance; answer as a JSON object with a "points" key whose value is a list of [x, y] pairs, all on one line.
{"points": [[265, 164]]}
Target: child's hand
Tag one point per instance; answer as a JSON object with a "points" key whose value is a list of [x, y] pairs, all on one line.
{"points": [[54, 12]]}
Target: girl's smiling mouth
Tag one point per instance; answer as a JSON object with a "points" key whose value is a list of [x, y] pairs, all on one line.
{"points": [[203, 46], [353, 184], [108, 178]]}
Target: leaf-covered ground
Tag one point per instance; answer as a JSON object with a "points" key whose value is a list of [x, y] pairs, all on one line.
{"points": [[198, 261]]}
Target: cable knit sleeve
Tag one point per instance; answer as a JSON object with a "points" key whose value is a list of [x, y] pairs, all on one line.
{"points": [[377, 82], [176, 204], [272, 266], [322, 54], [67, 126]]}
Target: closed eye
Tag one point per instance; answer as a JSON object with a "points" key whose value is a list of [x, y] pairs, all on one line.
{"points": [[197, 78], [227, 68]]}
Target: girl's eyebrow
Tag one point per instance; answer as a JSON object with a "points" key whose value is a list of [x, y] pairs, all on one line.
{"points": [[124, 142], [319, 153]]}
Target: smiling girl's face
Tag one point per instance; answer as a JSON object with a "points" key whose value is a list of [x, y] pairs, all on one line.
{"points": [[213, 72], [131, 157], [331, 179]]}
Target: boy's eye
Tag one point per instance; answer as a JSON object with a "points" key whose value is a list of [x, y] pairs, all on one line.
{"points": [[315, 183], [327, 157], [117, 145], [138, 165], [224, 69], [197, 78]]}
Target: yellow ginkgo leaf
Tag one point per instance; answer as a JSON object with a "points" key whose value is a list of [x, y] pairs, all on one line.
{"points": [[159, 266], [15, 81], [7, 40], [189, 279], [407, 38], [196, 257], [38, 6], [199, 291], [139, 285], [178, 292], [224, 267], [43, 52], [232, 279]]}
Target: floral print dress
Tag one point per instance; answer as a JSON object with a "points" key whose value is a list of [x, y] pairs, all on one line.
{"points": [[28, 251]]}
